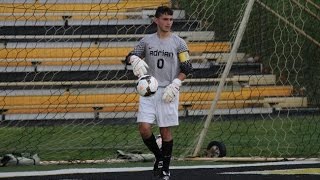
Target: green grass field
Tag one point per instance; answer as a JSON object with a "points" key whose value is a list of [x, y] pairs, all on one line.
{"points": [[274, 137]]}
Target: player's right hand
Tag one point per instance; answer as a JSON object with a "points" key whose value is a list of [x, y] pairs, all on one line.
{"points": [[138, 65]]}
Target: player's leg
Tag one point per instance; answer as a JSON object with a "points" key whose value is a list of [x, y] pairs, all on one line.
{"points": [[167, 146], [167, 116], [146, 117], [149, 139]]}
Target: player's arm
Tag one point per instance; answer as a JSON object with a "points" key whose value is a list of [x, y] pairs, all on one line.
{"points": [[172, 89], [134, 58], [185, 65]]}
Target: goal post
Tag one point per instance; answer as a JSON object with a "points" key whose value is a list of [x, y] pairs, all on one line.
{"points": [[67, 95], [224, 75]]}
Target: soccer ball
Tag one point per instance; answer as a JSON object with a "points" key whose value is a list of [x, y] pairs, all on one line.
{"points": [[147, 85]]}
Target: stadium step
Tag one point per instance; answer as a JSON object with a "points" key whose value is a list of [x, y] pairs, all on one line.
{"points": [[257, 96], [82, 15], [100, 38], [112, 74], [88, 29], [62, 6], [67, 98], [51, 50], [279, 102]]}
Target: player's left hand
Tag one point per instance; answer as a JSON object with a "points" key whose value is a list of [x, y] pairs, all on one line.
{"points": [[171, 91], [138, 65]]}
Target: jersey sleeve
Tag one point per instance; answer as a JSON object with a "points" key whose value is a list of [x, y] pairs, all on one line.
{"points": [[139, 49], [184, 58], [182, 47]]}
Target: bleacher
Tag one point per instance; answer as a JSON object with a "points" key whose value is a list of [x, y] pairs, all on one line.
{"points": [[66, 61], [52, 12]]}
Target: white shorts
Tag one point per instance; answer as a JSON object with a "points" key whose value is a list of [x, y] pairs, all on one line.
{"points": [[154, 110]]}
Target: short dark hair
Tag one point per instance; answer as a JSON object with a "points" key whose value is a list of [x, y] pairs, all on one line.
{"points": [[163, 10]]}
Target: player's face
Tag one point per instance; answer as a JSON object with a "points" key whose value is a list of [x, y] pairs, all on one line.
{"points": [[164, 22]]}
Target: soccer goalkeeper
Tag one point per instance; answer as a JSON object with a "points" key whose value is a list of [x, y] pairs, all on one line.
{"points": [[166, 58]]}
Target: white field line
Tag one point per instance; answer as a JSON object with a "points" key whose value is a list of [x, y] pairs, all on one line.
{"points": [[135, 169]]}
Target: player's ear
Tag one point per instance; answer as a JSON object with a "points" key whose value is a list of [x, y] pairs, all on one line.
{"points": [[155, 20]]}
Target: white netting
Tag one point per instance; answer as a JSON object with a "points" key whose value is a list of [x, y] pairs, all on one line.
{"points": [[67, 94]]}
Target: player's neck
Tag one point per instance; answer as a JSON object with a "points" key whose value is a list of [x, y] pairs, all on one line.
{"points": [[163, 34]]}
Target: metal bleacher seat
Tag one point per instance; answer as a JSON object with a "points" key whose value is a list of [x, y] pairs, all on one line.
{"points": [[107, 101], [85, 50], [50, 12]]}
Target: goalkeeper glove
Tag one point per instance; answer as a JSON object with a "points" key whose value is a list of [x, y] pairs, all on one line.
{"points": [[138, 65], [172, 90]]}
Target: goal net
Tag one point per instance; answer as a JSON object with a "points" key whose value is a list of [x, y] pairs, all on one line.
{"points": [[67, 95]]}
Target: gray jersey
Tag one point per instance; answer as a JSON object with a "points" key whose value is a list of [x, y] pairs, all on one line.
{"points": [[161, 55]]}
